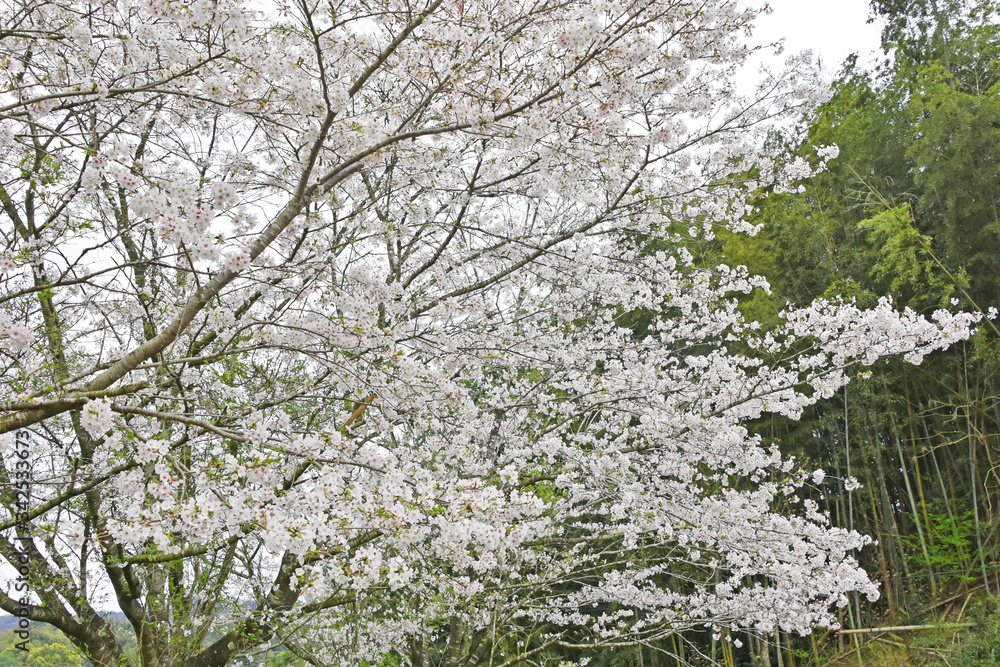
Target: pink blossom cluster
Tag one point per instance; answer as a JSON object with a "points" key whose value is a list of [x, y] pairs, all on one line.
{"points": [[96, 417], [16, 336]]}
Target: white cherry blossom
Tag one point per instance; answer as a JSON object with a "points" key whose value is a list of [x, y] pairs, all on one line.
{"points": [[341, 325]]}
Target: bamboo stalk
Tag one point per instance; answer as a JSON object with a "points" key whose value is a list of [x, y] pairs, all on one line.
{"points": [[974, 477], [905, 628], [897, 437]]}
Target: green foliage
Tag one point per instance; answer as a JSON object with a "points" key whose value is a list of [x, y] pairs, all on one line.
{"points": [[962, 34], [981, 648], [958, 172], [388, 660], [795, 251], [951, 541], [905, 260], [47, 647]]}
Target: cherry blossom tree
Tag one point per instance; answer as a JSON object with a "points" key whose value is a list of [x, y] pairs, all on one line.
{"points": [[368, 326]]}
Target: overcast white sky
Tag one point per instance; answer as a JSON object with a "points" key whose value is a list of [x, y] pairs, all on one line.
{"points": [[833, 29]]}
